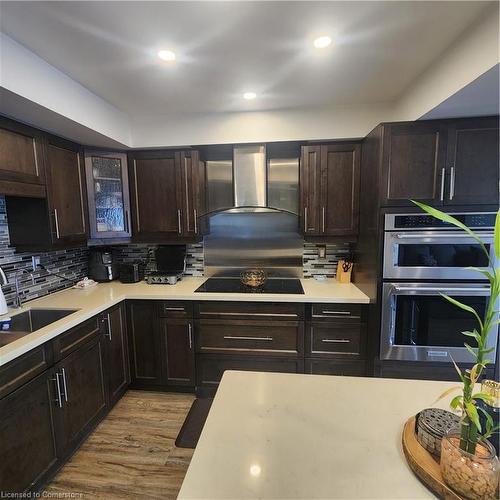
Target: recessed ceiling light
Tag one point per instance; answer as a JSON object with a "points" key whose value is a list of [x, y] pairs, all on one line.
{"points": [[166, 55], [322, 42], [249, 96]]}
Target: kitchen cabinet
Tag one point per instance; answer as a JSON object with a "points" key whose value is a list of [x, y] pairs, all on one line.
{"points": [[473, 162], [60, 220], [330, 176], [28, 434], [145, 347], [108, 195], [81, 395], [165, 194], [115, 353], [22, 171], [440, 162]]}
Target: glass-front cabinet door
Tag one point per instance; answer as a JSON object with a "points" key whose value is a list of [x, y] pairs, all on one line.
{"points": [[108, 194]]}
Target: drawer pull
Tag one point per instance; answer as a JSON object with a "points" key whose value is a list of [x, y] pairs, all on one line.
{"points": [[173, 308], [336, 341], [283, 315], [232, 337], [347, 313], [332, 314]]}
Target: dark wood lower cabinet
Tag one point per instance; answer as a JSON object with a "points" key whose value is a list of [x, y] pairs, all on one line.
{"points": [[335, 367], [28, 434], [82, 397], [178, 348], [115, 353]]}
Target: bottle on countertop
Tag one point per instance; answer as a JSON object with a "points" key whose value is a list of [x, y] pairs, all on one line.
{"points": [[492, 407]]}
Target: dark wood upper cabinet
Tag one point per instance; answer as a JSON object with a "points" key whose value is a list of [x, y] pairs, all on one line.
{"points": [[413, 158], [80, 379], [472, 162], [192, 191], [27, 434], [310, 190], [145, 346], [340, 174], [108, 195], [329, 180], [22, 170], [115, 353], [178, 348]]}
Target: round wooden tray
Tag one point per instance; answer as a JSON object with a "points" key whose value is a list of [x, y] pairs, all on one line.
{"points": [[424, 465]]}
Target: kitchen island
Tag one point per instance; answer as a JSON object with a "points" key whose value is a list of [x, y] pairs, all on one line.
{"points": [[284, 436]]}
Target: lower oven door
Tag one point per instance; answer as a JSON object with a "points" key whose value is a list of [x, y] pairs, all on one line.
{"points": [[418, 324]]}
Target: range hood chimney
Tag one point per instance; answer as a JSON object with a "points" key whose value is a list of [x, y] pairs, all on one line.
{"points": [[249, 176]]}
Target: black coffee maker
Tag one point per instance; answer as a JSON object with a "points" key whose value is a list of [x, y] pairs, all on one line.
{"points": [[101, 265]]}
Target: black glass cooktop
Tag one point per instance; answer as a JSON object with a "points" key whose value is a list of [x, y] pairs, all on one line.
{"points": [[234, 285]]}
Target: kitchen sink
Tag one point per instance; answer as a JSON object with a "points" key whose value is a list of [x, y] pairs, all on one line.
{"points": [[30, 321]]}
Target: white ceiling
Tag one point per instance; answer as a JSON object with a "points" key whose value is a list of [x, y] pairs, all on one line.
{"points": [[226, 48]]}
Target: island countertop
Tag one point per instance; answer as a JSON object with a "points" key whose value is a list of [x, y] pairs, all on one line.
{"points": [[291, 436], [94, 300]]}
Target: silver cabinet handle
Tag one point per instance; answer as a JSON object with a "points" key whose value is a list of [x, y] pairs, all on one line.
{"points": [[452, 182], [281, 315], [190, 333], [126, 222], [401, 236], [441, 197], [56, 221], [166, 308], [343, 313], [232, 337], [305, 219], [107, 320], [195, 215], [472, 291], [58, 399], [335, 341], [323, 218], [64, 384], [179, 221]]}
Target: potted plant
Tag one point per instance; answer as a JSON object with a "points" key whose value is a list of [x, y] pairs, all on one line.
{"points": [[468, 460]]}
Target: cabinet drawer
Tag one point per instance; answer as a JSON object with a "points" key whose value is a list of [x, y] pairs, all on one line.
{"points": [[251, 337], [347, 312], [72, 339], [334, 338], [22, 369], [209, 368], [176, 309], [249, 310], [335, 367]]}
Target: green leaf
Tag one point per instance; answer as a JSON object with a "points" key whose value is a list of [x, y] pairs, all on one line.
{"points": [[484, 397], [489, 423], [471, 410], [473, 334], [457, 369], [465, 307], [497, 235], [447, 392], [456, 402], [471, 350]]}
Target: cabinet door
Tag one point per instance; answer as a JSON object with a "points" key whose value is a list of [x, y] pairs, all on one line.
{"points": [[414, 163], [340, 171], [473, 162], [310, 175], [144, 343], [189, 166], [116, 353], [27, 435], [178, 348], [81, 381], [65, 178], [108, 195], [21, 154], [156, 197]]}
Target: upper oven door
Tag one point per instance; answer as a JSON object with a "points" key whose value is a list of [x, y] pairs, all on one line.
{"points": [[419, 324], [435, 255]]}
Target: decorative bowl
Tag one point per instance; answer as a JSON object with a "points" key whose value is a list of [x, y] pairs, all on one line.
{"points": [[253, 277]]}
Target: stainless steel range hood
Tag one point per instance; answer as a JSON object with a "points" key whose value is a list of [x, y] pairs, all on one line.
{"points": [[249, 176]]}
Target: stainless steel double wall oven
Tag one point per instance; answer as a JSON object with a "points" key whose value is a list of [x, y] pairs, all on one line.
{"points": [[423, 259]]}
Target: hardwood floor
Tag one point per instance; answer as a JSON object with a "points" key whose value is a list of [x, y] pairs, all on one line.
{"points": [[131, 454]]}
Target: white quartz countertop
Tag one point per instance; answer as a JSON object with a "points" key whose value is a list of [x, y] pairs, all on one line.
{"points": [[289, 436], [99, 298]]}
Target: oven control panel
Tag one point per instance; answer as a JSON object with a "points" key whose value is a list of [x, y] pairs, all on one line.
{"points": [[424, 221]]}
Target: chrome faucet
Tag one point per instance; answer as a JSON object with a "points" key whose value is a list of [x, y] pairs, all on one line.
{"points": [[17, 301]]}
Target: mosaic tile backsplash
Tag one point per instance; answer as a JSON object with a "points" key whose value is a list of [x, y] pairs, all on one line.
{"points": [[314, 266], [71, 264]]}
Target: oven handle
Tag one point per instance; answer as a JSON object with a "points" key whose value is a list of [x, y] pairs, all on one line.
{"points": [[440, 289], [401, 236]]}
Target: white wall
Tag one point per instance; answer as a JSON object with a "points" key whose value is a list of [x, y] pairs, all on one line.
{"points": [[474, 54], [220, 128], [27, 75]]}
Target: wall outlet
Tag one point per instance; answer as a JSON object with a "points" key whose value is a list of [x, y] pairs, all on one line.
{"points": [[35, 262], [322, 251]]}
